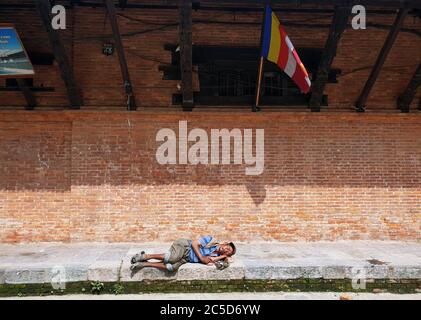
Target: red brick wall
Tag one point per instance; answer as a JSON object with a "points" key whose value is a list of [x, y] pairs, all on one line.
{"points": [[92, 176], [99, 76]]}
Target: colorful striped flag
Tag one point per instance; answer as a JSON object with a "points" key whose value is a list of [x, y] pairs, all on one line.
{"points": [[278, 48]]}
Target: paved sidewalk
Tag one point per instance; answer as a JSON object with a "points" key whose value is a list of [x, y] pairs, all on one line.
{"points": [[40, 263], [233, 296]]}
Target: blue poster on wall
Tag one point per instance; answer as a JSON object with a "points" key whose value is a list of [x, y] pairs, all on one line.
{"points": [[14, 61]]}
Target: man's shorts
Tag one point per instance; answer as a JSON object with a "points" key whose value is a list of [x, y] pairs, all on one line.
{"points": [[177, 255]]}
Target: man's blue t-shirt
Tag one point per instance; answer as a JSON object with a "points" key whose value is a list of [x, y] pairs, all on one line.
{"points": [[203, 250]]}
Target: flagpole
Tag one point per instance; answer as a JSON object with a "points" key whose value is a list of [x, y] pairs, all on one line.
{"points": [[256, 107], [259, 84]]}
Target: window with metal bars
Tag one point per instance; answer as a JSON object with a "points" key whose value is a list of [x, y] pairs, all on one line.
{"points": [[227, 76]]}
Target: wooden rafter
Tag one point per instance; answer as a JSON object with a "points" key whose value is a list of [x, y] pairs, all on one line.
{"points": [[238, 5], [390, 40], [186, 53], [408, 95], [379, 3], [338, 26], [122, 3], [31, 102], [60, 55], [131, 104]]}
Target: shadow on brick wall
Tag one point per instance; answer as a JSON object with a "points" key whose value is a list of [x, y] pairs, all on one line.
{"points": [[54, 156]]}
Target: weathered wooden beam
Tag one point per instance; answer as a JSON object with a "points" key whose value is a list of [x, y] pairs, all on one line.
{"points": [[338, 26], [31, 102], [186, 53], [252, 5], [60, 55], [390, 40], [131, 103], [122, 3], [408, 95], [379, 3]]}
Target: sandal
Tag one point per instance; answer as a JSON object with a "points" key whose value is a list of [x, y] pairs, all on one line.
{"points": [[139, 258]]}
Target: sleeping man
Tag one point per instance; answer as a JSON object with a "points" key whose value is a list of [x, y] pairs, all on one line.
{"points": [[203, 250]]}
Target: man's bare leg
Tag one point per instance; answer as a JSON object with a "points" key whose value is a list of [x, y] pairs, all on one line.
{"points": [[158, 265], [140, 265], [157, 256], [141, 257]]}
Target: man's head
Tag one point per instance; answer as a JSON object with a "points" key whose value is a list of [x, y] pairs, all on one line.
{"points": [[227, 248]]}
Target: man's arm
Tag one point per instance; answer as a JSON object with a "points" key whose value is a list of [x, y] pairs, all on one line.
{"points": [[196, 245], [215, 259]]}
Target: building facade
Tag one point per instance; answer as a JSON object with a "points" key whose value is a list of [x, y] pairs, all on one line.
{"points": [[91, 174]]}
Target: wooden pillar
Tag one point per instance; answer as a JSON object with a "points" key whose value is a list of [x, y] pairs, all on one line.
{"points": [[60, 55], [390, 40], [406, 98], [31, 102], [131, 104], [186, 53], [338, 26]]}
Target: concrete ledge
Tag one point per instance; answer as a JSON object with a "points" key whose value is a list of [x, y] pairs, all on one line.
{"points": [[109, 263], [211, 286], [47, 274]]}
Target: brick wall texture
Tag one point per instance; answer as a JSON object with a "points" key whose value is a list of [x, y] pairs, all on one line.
{"points": [[92, 175], [81, 176], [146, 31]]}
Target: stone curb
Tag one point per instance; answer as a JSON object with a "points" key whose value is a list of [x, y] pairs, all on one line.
{"points": [[117, 271]]}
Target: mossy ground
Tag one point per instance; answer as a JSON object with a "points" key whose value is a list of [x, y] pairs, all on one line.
{"points": [[212, 286]]}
